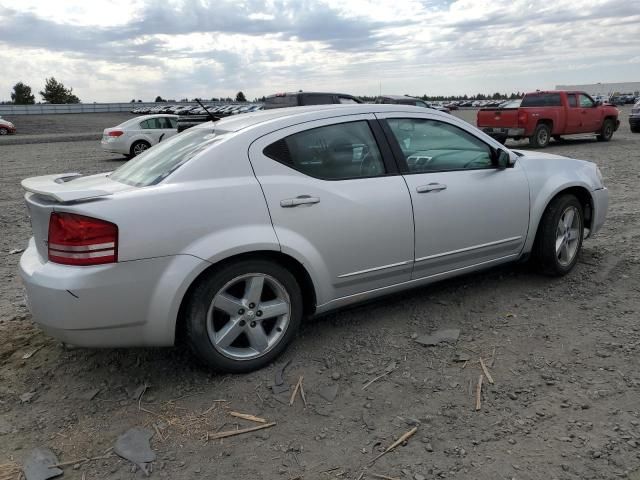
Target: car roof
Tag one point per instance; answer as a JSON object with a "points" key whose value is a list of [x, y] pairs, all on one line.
{"points": [[401, 97], [292, 115], [308, 93]]}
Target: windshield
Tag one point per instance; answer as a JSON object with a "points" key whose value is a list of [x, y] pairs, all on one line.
{"points": [[159, 162]]}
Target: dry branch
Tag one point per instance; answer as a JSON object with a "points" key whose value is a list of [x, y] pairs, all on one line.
{"points": [[232, 433], [247, 416], [403, 438], [486, 372], [479, 393]]}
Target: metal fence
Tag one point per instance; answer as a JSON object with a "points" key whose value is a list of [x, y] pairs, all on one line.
{"points": [[48, 108]]}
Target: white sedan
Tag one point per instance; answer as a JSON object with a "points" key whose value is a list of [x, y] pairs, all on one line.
{"points": [[136, 135], [232, 232]]}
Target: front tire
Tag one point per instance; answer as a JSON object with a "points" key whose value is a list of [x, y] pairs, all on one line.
{"points": [[242, 317], [559, 236], [541, 136], [606, 132], [4, 131]]}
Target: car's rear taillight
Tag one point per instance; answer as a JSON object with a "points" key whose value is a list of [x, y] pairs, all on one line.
{"points": [[115, 133], [80, 240], [522, 118]]}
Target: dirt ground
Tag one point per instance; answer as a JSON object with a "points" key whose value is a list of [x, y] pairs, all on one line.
{"points": [[563, 354]]}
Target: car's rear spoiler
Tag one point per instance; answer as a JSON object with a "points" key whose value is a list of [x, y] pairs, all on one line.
{"points": [[56, 187]]}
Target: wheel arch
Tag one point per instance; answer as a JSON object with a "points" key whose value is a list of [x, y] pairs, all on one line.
{"points": [[582, 193], [298, 270]]}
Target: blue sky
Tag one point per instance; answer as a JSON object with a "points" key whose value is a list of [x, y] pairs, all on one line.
{"points": [[117, 50]]}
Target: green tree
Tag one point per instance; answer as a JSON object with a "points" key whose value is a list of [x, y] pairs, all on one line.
{"points": [[240, 97], [55, 92], [159, 99], [22, 95]]}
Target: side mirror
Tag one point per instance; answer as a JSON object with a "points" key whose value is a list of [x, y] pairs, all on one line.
{"points": [[597, 104], [500, 158]]}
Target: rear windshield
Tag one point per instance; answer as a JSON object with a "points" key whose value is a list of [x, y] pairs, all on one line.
{"points": [[159, 162], [541, 100]]}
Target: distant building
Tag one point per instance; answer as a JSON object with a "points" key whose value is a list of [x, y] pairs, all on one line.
{"points": [[605, 89]]}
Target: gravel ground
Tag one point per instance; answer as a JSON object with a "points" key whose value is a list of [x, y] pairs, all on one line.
{"points": [[563, 354]]}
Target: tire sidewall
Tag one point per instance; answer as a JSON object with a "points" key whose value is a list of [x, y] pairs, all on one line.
{"points": [[607, 125], [201, 297], [4, 131], [535, 140], [133, 145], [547, 240]]}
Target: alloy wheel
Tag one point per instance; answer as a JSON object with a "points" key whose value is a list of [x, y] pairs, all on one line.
{"points": [[248, 316], [568, 236], [138, 148]]}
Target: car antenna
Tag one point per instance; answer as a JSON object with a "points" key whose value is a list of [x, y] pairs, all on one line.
{"points": [[213, 119]]}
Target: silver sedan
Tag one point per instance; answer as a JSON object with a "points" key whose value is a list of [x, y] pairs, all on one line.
{"points": [[230, 233]]}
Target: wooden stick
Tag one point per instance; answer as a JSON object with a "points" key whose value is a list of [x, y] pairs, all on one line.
{"points": [[403, 438], [295, 391], [155, 427], [302, 394], [493, 358], [231, 433], [479, 392], [376, 379], [383, 477], [486, 372], [247, 416], [80, 460]]}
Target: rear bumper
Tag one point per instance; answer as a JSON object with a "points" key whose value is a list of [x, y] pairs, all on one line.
{"points": [[114, 146], [600, 207], [124, 304], [634, 122], [503, 132]]}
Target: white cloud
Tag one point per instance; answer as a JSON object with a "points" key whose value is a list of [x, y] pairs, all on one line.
{"points": [[118, 50]]}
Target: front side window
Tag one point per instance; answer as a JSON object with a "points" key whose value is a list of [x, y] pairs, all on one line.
{"points": [[347, 100], [158, 163], [334, 152], [432, 146], [586, 101]]}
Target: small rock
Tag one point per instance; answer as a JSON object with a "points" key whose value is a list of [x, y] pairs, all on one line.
{"points": [[329, 392], [428, 447], [336, 376], [26, 397], [512, 396], [445, 335], [417, 476], [36, 466], [133, 445], [596, 454]]}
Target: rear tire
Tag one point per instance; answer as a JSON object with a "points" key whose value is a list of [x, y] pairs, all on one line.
{"points": [[559, 237], [138, 147], [4, 131], [228, 326], [541, 136], [606, 132]]}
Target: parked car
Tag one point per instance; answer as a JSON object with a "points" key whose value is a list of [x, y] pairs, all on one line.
{"points": [[407, 100], [543, 115], [297, 99], [634, 118], [136, 135], [6, 127], [230, 233]]}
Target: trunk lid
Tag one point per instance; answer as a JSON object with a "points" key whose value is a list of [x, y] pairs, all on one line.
{"points": [[48, 193], [504, 118]]}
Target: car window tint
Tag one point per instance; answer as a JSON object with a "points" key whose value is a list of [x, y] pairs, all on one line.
{"points": [[541, 100], [173, 122], [144, 124], [585, 101], [281, 101], [421, 104], [431, 146], [156, 164], [347, 100], [317, 99], [334, 152], [572, 100]]}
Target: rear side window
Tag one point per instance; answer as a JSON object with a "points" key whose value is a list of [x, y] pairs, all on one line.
{"points": [[317, 99], [152, 123], [335, 152], [541, 100], [572, 100], [157, 163], [281, 101]]}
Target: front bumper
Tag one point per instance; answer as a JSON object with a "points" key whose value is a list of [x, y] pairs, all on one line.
{"points": [[124, 304], [500, 132], [600, 207]]}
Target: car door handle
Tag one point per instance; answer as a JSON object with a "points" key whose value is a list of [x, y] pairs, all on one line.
{"points": [[432, 187], [299, 200]]}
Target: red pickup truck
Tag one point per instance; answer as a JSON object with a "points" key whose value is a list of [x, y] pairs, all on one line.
{"points": [[545, 115]]}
